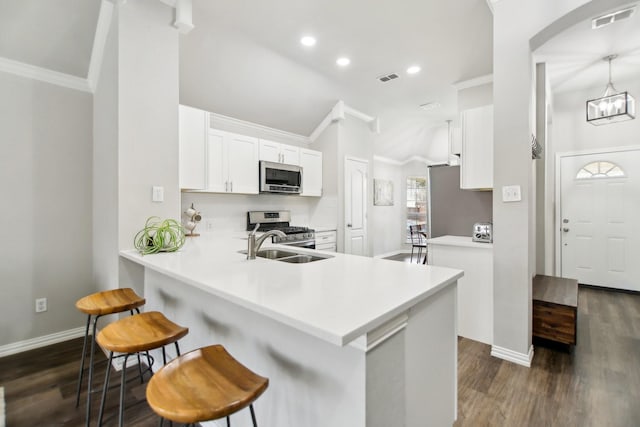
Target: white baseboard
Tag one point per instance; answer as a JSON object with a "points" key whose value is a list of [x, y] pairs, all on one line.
{"points": [[43, 341], [513, 356]]}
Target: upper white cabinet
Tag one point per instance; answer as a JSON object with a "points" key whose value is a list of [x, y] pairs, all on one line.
{"points": [[279, 153], [311, 162], [193, 125], [232, 161], [476, 160]]}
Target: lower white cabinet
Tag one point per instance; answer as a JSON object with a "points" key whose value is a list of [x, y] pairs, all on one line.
{"points": [[326, 240], [311, 162], [475, 288], [232, 163]]}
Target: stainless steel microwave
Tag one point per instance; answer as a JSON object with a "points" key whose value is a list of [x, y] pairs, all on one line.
{"points": [[280, 178]]}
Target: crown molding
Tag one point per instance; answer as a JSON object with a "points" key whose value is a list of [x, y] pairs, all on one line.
{"points": [[338, 114], [44, 75], [477, 81], [491, 4], [220, 120], [403, 162], [99, 42]]}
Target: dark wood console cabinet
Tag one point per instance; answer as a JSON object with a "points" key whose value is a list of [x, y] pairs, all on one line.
{"points": [[555, 308]]}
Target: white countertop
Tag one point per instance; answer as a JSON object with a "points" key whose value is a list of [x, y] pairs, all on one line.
{"points": [[336, 299], [465, 241]]}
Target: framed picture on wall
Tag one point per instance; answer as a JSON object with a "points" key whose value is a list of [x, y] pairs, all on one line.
{"points": [[382, 192]]}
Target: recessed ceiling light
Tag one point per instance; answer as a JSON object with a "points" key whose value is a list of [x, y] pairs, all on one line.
{"points": [[343, 62], [413, 69], [308, 41]]}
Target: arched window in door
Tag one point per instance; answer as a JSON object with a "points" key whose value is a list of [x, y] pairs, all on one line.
{"points": [[600, 169]]}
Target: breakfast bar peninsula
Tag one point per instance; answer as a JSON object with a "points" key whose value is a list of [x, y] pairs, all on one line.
{"points": [[346, 341]]}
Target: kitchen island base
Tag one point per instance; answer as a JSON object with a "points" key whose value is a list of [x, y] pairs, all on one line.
{"points": [[403, 373]]}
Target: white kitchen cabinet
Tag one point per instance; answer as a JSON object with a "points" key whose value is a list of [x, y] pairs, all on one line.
{"points": [[193, 126], [311, 162], [475, 289], [476, 159], [279, 153], [232, 163], [326, 240]]}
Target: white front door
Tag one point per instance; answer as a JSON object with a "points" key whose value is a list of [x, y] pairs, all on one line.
{"points": [[355, 206], [599, 212]]}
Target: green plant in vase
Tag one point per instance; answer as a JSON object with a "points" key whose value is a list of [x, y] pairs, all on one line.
{"points": [[159, 236]]}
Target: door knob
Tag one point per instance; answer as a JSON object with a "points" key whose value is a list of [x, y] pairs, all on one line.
{"points": [[566, 221], [565, 229], [349, 225]]}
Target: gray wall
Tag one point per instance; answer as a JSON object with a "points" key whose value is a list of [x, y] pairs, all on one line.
{"points": [[454, 211], [45, 187]]}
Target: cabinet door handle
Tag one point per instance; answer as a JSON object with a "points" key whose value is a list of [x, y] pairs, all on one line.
{"points": [[226, 186], [232, 186]]}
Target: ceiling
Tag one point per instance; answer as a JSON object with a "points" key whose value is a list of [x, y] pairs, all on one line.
{"points": [[56, 35], [244, 59], [574, 57]]}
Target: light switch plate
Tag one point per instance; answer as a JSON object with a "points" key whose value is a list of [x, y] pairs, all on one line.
{"points": [[157, 194], [511, 193]]}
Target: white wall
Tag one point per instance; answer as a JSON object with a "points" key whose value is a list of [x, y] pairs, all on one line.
{"points": [[515, 24], [45, 187], [355, 139], [105, 166], [387, 222], [228, 212], [147, 115], [570, 132]]}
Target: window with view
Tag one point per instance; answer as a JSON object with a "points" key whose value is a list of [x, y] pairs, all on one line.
{"points": [[416, 203]]}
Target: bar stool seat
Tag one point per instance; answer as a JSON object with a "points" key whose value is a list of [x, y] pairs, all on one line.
{"points": [[202, 385], [131, 335], [109, 302], [97, 305]]}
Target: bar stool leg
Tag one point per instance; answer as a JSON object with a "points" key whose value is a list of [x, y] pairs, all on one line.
{"points": [[84, 352], [90, 386], [104, 390], [123, 383], [253, 416]]}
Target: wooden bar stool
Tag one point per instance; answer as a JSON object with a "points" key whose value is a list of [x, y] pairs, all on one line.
{"points": [[203, 385], [135, 334], [98, 305]]}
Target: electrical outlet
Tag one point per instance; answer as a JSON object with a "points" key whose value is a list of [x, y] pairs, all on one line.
{"points": [[208, 224], [41, 305], [157, 194]]}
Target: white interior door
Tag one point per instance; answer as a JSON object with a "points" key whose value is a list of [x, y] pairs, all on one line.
{"points": [[599, 211], [355, 206]]}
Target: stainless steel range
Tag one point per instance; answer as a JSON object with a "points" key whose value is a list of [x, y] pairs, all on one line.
{"points": [[279, 220]]}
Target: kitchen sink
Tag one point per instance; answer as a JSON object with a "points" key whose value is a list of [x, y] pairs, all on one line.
{"points": [[302, 258], [274, 253], [288, 256]]}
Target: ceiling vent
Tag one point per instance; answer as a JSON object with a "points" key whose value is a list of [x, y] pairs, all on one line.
{"points": [[610, 18], [388, 77]]}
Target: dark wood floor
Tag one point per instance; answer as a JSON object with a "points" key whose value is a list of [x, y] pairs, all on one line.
{"points": [[597, 384]]}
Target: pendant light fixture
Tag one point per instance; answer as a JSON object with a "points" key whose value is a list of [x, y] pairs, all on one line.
{"points": [[613, 106]]}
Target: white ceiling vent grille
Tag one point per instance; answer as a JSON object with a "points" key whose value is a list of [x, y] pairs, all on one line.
{"points": [[610, 18], [388, 77]]}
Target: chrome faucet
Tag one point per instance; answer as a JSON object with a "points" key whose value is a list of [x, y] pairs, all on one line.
{"points": [[253, 244]]}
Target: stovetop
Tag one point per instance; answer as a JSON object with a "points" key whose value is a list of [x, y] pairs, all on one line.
{"points": [[286, 229]]}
